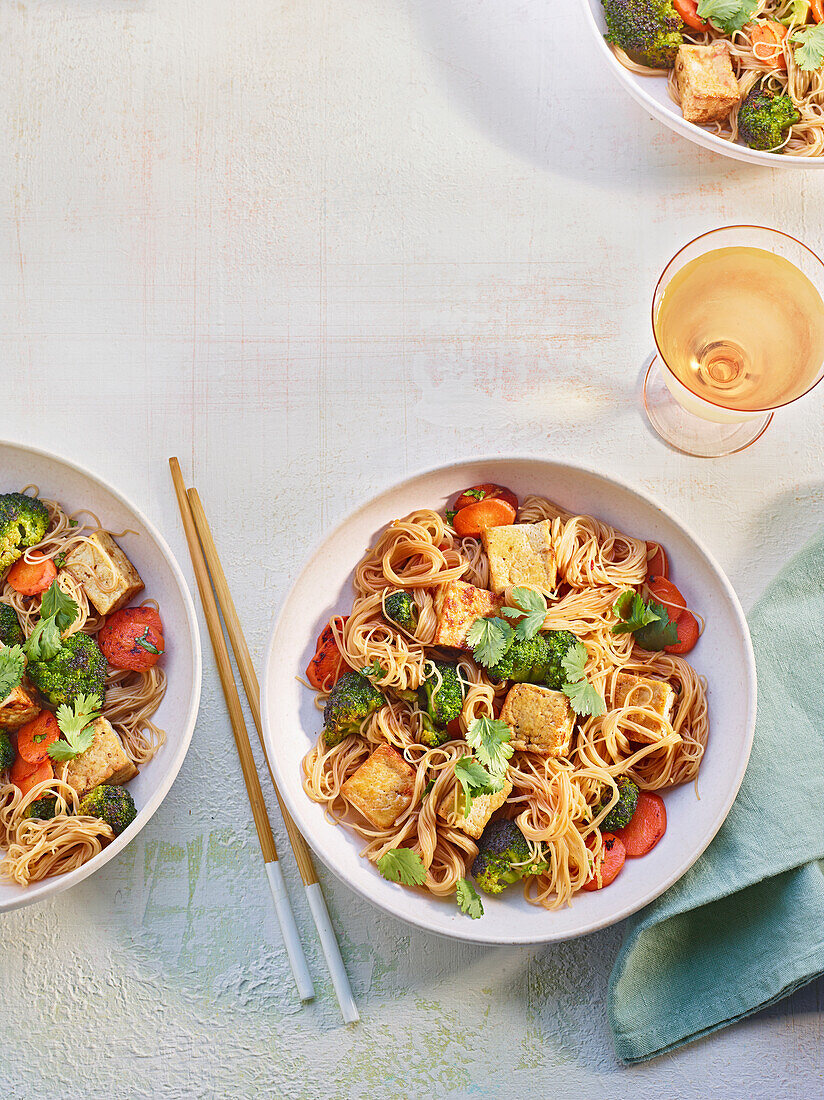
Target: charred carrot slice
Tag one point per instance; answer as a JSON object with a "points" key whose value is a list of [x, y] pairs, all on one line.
{"points": [[41, 773], [328, 665], [657, 564], [648, 825], [482, 492], [477, 517], [612, 860], [688, 632], [34, 738], [30, 578]]}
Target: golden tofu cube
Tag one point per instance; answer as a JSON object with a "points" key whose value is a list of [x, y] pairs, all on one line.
{"points": [[541, 720], [639, 691], [17, 709], [104, 761], [482, 808], [521, 554], [104, 572], [706, 82], [457, 606], [381, 788]]}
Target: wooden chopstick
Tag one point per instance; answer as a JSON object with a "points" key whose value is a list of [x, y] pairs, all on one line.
{"points": [[303, 856], [291, 938]]}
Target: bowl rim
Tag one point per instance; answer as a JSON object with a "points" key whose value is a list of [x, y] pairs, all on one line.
{"points": [[698, 136], [48, 887], [466, 932]]}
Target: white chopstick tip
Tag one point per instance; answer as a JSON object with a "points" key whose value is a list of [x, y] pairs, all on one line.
{"points": [[329, 943], [291, 937]]}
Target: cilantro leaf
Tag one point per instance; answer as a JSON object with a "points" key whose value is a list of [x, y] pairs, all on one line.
{"points": [[809, 53], [375, 669], [490, 639], [478, 494], [474, 780], [76, 726], [57, 613], [530, 611], [660, 633], [574, 662], [634, 612], [468, 900], [58, 606], [12, 667], [44, 642], [450, 517], [529, 625], [727, 15], [490, 738], [584, 699], [528, 599], [402, 865]]}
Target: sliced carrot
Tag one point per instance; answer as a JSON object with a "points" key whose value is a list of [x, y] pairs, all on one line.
{"points": [[34, 738], [30, 578], [328, 665], [688, 633], [612, 860], [132, 639], [817, 9], [477, 517], [41, 773], [657, 564], [688, 10], [648, 825], [482, 492], [767, 38], [670, 597]]}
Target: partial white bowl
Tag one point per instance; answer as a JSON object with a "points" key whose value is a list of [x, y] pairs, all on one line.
{"points": [[724, 656], [75, 488], [651, 92]]}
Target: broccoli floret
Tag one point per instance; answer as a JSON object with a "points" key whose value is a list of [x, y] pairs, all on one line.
{"points": [[351, 701], [11, 633], [536, 660], [42, 808], [114, 805], [430, 735], [648, 31], [7, 753], [23, 523], [501, 845], [79, 668], [442, 700], [400, 608], [621, 813], [764, 117]]}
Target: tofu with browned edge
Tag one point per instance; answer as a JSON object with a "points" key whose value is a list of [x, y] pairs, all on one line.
{"points": [[541, 720], [482, 808], [521, 554], [640, 691], [17, 709], [104, 573], [706, 82], [104, 761], [457, 606], [381, 788]]}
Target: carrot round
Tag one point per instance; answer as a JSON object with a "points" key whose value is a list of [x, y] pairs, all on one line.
{"points": [[648, 825], [483, 492], [612, 860], [688, 632], [42, 773], [670, 597], [817, 9], [133, 639], [688, 10], [34, 738], [477, 517], [328, 665], [767, 40], [30, 578], [657, 563]]}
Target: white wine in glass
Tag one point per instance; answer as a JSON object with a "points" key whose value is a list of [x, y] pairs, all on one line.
{"points": [[738, 319]]}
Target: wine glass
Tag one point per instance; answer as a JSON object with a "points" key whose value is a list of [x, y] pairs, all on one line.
{"points": [[738, 321]]}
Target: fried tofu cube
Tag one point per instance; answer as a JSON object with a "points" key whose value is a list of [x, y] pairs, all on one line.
{"points": [[639, 691], [457, 606], [104, 572], [104, 761], [482, 808], [17, 709], [521, 554], [706, 82], [381, 788], [541, 720]]}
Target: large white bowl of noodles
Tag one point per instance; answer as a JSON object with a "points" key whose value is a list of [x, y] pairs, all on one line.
{"points": [[652, 94], [76, 488], [723, 655]]}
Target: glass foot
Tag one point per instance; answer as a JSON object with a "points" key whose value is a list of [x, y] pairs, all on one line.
{"points": [[688, 433]]}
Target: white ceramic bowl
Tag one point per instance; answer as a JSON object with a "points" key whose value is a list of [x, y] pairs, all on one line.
{"points": [[724, 655], [76, 488], [651, 92]]}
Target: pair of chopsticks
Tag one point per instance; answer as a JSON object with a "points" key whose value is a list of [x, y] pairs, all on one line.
{"points": [[211, 582]]}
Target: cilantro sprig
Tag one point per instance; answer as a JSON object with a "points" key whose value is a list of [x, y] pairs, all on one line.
{"points": [[12, 667], [474, 780], [57, 613], [76, 726], [530, 612], [809, 50], [491, 638], [468, 900], [727, 16], [490, 738], [647, 620], [402, 865], [583, 698]]}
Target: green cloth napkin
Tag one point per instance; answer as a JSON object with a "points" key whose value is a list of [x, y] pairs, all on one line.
{"points": [[744, 927]]}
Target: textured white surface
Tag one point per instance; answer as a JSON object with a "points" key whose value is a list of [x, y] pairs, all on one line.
{"points": [[309, 247]]}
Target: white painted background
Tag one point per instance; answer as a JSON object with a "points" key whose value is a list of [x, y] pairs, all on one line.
{"points": [[310, 246]]}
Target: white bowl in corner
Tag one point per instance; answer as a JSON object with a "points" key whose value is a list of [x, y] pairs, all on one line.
{"points": [[724, 656], [75, 488]]}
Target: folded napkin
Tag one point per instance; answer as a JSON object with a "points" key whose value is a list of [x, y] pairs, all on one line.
{"points": [[744, 927]]}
